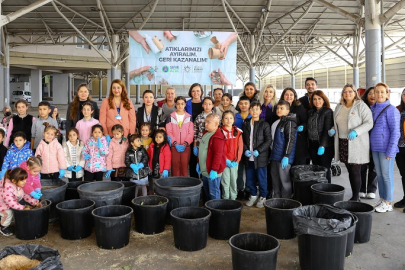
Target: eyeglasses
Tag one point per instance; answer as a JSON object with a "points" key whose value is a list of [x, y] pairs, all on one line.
{"points": [[348, 92]]}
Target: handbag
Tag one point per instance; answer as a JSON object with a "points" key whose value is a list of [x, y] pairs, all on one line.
{"points": [[120, 172]]}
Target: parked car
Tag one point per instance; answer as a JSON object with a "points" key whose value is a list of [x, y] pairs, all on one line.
{"points": [[21, 94]]}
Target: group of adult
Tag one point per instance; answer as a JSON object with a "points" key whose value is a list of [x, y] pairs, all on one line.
{"points": [[357, 126]]}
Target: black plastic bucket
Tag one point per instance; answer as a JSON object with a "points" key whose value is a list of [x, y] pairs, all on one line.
{"points": [[190, 227], [225, 218], [71, 190], [327, 193], [254, 251], [279, 217], [53, 190], [102, 192], [181, 191], [150, 214], [75, 219], [129, 193], [364, 213], [112, 225], [32, 224], [350, 237]]}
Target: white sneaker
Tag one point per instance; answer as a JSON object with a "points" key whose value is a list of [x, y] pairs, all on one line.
{"points": [[377, 203], [370, 195], [252, 201], [362, 195], [260, 202], [384, 207]]}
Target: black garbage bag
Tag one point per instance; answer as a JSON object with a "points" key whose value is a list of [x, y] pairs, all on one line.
{"points": [[308, 172], [49, 257], [321, 220]]}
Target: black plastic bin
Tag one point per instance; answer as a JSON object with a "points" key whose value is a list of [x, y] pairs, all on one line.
{"points": [[256, 251], [128, 193], [303, 177], [150, 214], [75, 219], [322, 236], [50, 258], [225, 218], [53, 190], [112, 225], [190, 227], [279, 217], [350, 237], [364, 213], [71, 190], [327, 193], [102, 192], [32, 224]]}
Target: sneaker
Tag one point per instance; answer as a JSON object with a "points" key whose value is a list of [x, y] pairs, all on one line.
{"points": [[400, 204], [362, 195], [5, 231], [370, 195], [260, 202], [377, 203], [252, 201], [384, 207]]}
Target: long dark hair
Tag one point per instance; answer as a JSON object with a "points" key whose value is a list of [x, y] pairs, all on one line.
{"points": [[124, 95], [76, 102], [401, 106], [165, 139], [18, 174], [296, 102], [365, 94], [235, 130]]}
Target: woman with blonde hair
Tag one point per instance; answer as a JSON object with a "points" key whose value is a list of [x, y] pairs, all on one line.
{"points": [[268, 99]]}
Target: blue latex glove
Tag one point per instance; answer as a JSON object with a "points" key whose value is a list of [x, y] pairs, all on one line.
{"points": [[195, 150], [108, 173], [165, 173], [87, 157], [38, 190], [352, 135], [140, 165], [70, 168], [331, 132], [213, 175], [255, 153], [134, 167], [284, 162], [248, 153], [197, 169], [78, 168], [169, 139], [228, 163], [180, 148], [108, 138], [61, 173], [321, 150], [234, 164], [39, 175], [35, 195], [99, 144], [300, 128], [2, 173]]}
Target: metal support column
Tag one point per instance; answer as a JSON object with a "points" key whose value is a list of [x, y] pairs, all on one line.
{"points": [[232, 89], [127, 85], [138, 94], [382, 44], [156, 87], [293, 80], [114, 55], [373, 43], [252, 74], [356, 76], [6, 71], [100, 86], [226, 89]]}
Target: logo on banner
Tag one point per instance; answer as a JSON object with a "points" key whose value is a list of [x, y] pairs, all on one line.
{"points": [[198, 69], [187, 69], [165, 69]]}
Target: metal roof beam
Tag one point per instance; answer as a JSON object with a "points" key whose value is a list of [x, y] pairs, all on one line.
{"points": [[107, 35], [392, 11], [263, 23], [76, 13], [149, 15], [5, 19], [288, 13], [353, 17], [236, 15], [133, 17]]}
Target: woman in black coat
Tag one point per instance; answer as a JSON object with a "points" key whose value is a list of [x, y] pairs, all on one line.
{"points": [[150, 113]]}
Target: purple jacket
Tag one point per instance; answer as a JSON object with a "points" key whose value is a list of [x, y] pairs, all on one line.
{"points": [[385, 134]]}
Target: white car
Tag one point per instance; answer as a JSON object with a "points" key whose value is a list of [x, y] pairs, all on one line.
{"points": [[21, 94]]}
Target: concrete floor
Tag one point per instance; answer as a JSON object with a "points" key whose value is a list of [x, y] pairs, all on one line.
{"points": [[384, 251]]}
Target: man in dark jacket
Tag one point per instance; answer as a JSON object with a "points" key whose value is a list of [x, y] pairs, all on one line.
{"points": [[256, 143], [311, 85]]}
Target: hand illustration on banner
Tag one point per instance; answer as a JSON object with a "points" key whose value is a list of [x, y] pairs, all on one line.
{"points": [[146, 70], [224, 45], [140, 39], [169, 35], [219, 78]]}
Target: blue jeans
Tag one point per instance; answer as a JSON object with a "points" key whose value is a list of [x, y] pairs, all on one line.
{"points": [[254, 176], [385, 175], [212, 188]]}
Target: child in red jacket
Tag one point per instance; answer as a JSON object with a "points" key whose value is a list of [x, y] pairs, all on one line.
{"points": [[160, 157], [211, 155], [233, 150]]}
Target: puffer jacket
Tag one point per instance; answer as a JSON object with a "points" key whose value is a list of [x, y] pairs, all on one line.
{"points": [[261, 141], [79, 159], [116, 153], [97, 161], [165, 157], [285, 139], [133, 156], [216, 159], [53, 156], [324, 122], [33, 181], [386, 131], [15, 156], [182, 135], [11, 195]]}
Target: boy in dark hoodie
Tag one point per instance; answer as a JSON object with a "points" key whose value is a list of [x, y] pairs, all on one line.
{"points": [[256, 144], [211, 157], [283, 150]]}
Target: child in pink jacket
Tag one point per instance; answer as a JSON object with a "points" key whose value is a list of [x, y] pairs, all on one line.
{"points": [[52, 154], [11, 193], [33, 166], [116, 155], [180, 129]]}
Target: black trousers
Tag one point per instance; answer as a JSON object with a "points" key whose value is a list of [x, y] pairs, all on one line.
{"points": [[324, 160], [90, 177], [368, 182], [74, 179], [50, 175], [355, 179], [400, 160], [192, 163]]}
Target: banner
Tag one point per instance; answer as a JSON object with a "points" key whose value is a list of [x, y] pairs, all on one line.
{"points": [[182, 57]]}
